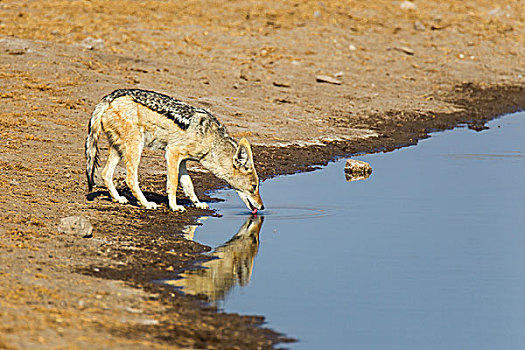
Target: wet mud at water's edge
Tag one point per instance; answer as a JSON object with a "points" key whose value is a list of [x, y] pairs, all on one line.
{"points": [[160, 251]]}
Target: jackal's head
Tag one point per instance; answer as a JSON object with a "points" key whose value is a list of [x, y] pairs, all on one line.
{"points": [[245, 180]]}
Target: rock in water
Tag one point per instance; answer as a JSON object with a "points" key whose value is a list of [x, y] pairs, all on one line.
{"points": [[77, 226], [357, 170]]}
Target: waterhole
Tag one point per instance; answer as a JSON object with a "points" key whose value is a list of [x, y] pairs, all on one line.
{"points": [[427, 253]]}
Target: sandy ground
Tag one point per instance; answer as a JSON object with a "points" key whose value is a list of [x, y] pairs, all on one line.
{"points": [[397, 71]]}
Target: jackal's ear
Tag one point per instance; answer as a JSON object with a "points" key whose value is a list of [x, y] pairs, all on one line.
{"points": [[243, 156]]}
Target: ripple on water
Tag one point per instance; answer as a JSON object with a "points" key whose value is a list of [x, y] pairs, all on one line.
{"points": [[279, 212]]}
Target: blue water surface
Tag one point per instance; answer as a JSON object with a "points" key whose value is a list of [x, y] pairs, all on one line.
{"points": [[427, 253]]}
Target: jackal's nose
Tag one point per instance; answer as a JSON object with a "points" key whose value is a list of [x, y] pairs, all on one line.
{"points": [[262, 207]]}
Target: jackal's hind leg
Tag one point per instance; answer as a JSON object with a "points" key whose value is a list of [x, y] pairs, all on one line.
{"points": [[173, 160], [107, 175], [187, 186], [132, 159]]}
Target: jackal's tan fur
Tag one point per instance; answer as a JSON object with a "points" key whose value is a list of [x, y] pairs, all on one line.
{"points": [[134, 119]]}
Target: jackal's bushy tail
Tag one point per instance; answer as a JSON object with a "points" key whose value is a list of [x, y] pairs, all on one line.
{"points": [[94, 129]]}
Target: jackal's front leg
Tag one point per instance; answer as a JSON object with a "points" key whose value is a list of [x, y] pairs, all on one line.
{"points": [[187, 186], [173, 160]]}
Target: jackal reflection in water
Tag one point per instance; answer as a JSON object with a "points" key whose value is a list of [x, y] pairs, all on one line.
{"points": [[232, 264]]}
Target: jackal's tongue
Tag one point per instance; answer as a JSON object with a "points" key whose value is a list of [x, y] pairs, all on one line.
{"points": [[254, 211]]}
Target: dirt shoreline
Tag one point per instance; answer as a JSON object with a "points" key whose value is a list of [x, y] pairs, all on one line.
{"points": [[404, 72], [274, 161], [144, 252]]}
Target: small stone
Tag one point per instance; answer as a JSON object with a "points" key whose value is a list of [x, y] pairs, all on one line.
{"points": [[91, 43], [148, 322], [17, 52], [76, 226], [280, 83], [408, 5], [357, 170], [495, 12], [248, 74], [352, 47], [327, 79], [419, 26], [406, 50], [132, 310]]}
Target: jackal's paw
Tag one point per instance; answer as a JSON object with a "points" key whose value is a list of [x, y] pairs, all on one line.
{"points": [[201, 205], [150, 205], [121, 200], [177, 207]]}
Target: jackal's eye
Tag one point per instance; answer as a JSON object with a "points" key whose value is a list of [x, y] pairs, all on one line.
{"points": [[254, 188]]}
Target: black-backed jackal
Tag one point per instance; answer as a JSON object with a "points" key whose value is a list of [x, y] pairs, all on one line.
{"points": [[133, 119]]}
